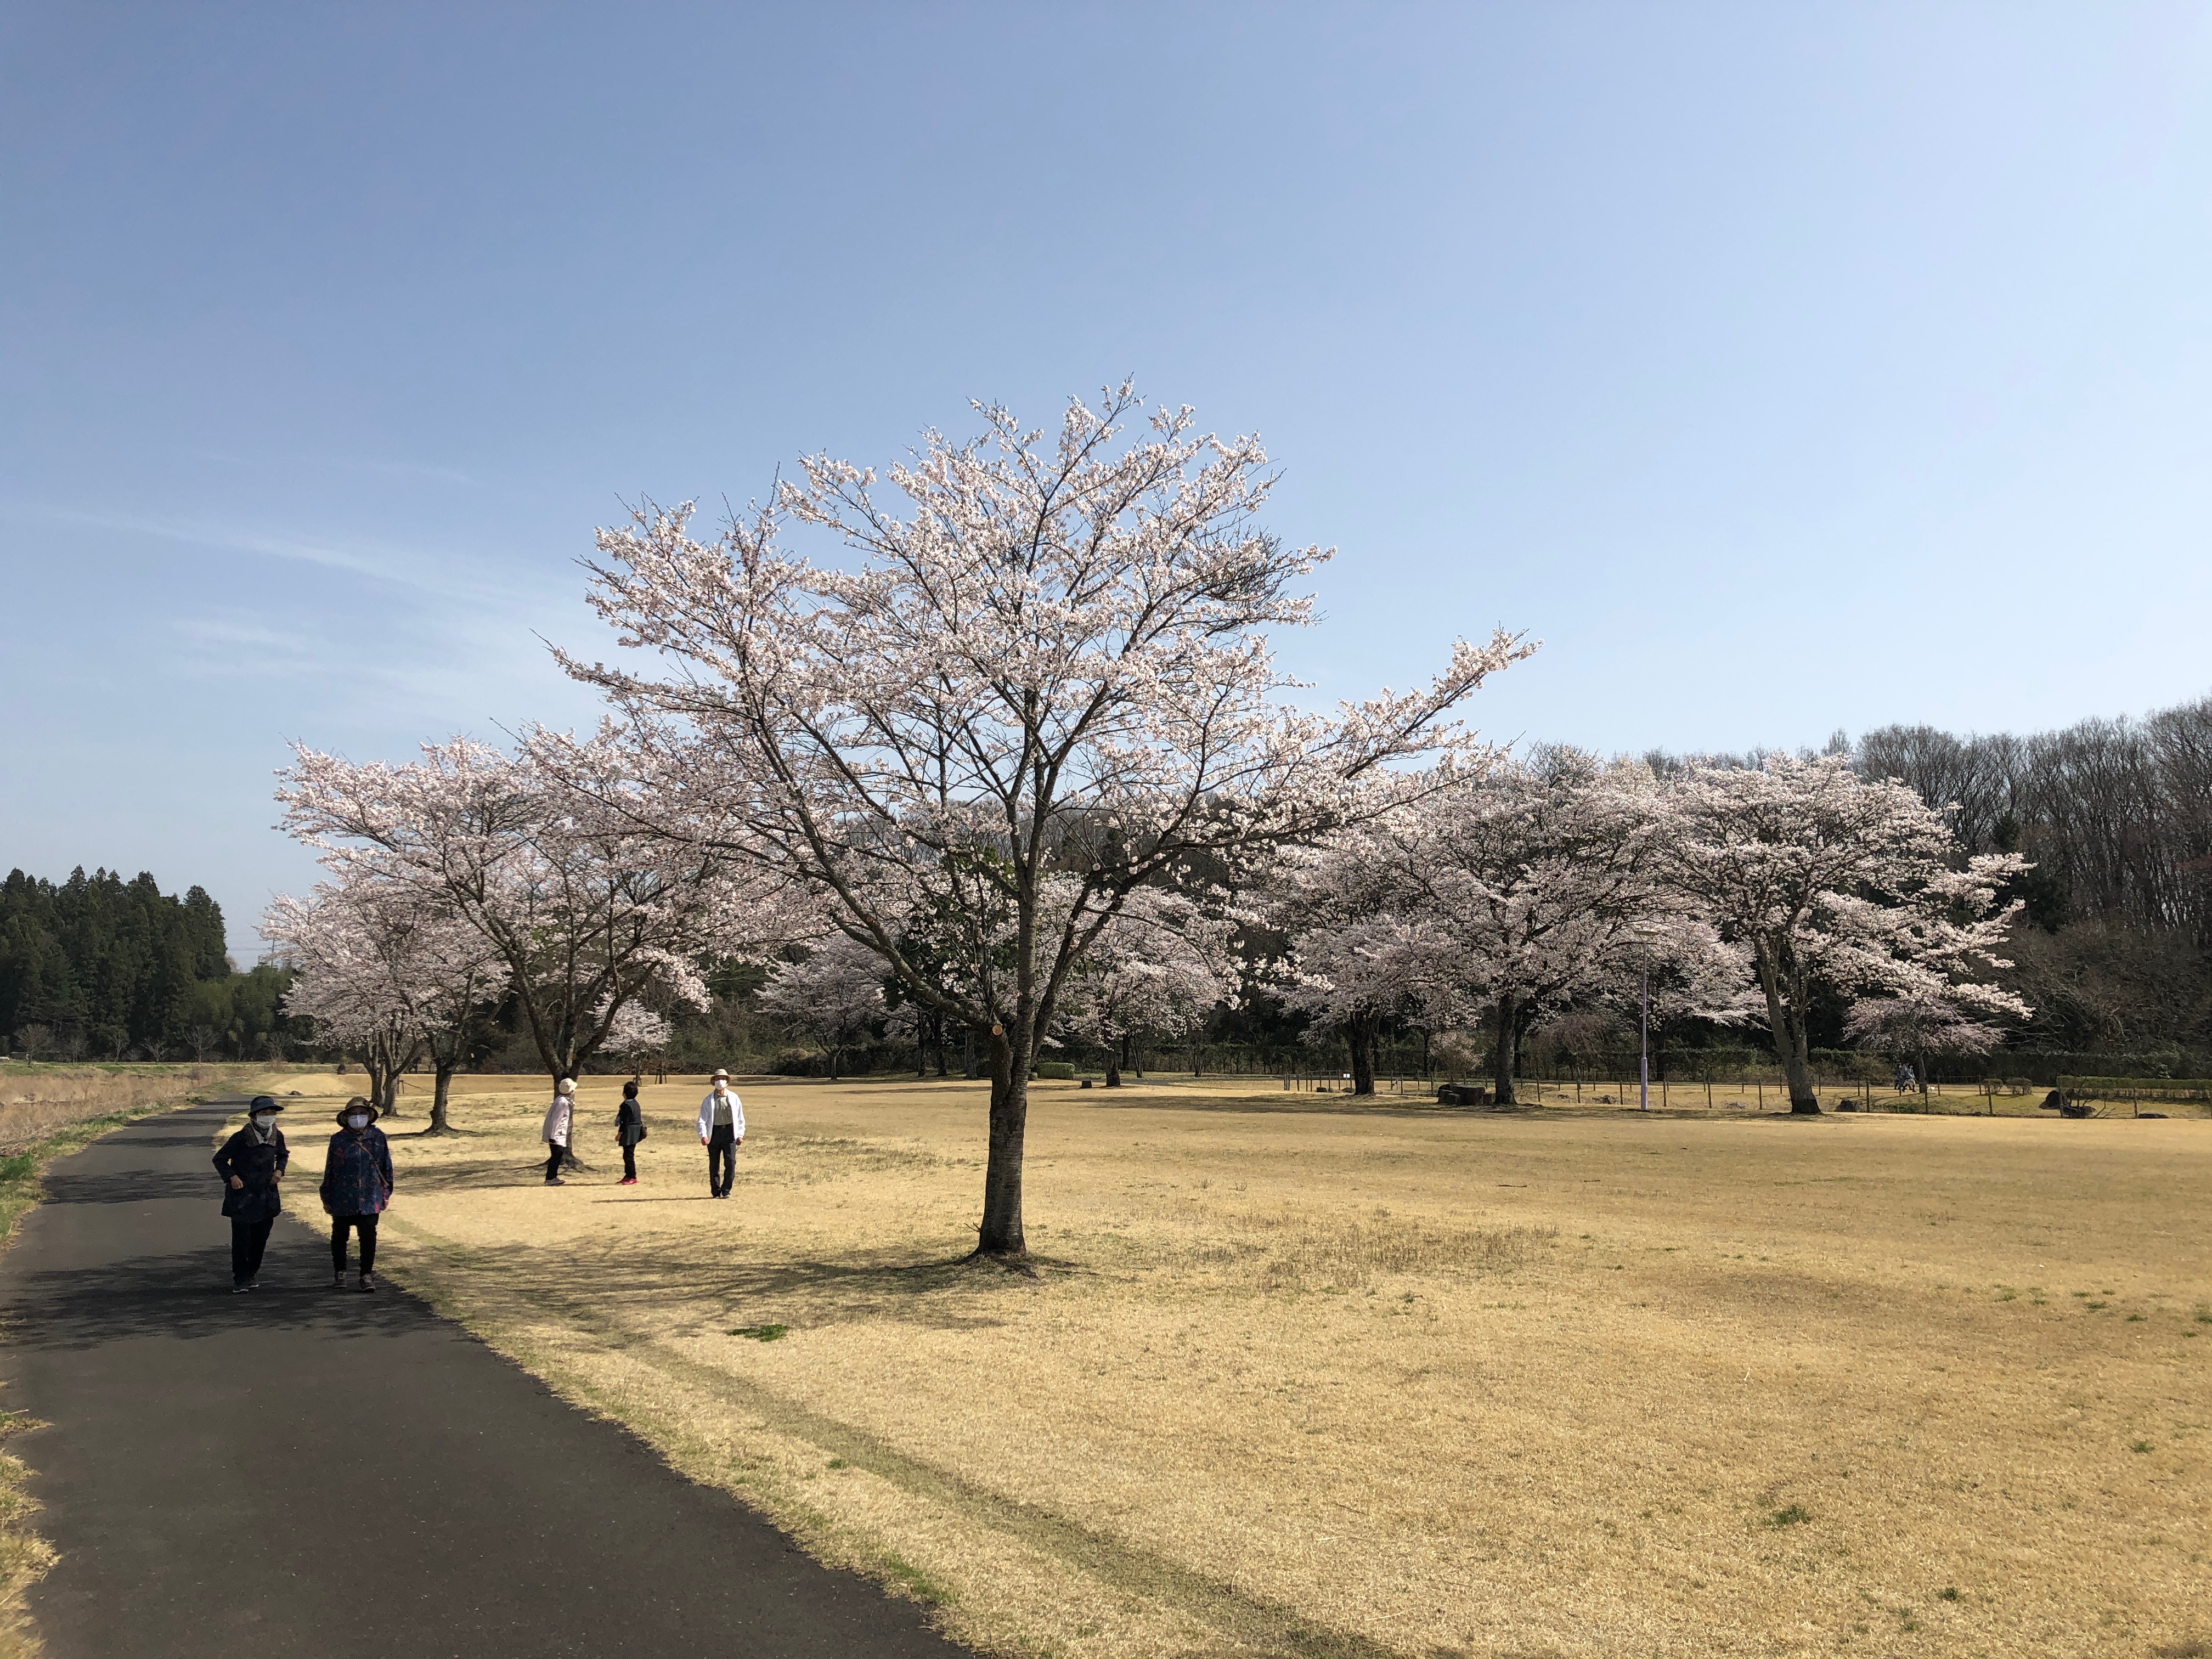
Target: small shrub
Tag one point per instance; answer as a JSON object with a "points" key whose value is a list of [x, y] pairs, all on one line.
{"points": [[1061, 1071], [2138, 1445], [1949, 1592]]}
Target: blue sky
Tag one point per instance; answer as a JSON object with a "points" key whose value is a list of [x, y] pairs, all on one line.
{"points": [[1784, 368]]}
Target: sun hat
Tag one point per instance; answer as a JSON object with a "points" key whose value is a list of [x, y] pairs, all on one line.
{"points": [[720, 1076], [265, 1104], [357, 1104], [567, 1085]]}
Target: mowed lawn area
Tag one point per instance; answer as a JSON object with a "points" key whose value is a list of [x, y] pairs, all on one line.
{"points": [[1295, 1375]]}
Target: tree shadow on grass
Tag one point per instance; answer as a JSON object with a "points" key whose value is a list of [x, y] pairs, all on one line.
{"points": [[944, 1292], [1301, 1105], [476, 1174]]}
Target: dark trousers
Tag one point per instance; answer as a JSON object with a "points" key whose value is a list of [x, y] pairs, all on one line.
{"points": [[340, 1225], [629, 1161], [721, 1158], [248, 1239], [553, 1160]]}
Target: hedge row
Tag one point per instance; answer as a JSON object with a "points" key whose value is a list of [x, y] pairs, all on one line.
{"points": [[2136, 1088]]}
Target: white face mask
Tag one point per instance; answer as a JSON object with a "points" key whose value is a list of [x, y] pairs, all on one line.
{"points": [[356, 1122], [262, 1119]]}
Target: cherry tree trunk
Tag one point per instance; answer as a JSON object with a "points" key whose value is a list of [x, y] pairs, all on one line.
{"points": [[1359, 1037], [438, 1126], [1506, 1053], [1785, 1023], [383, 1085], [1000, 1233]]}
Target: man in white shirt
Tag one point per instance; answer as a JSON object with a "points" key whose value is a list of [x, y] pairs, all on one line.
{"points": [[721, 1132]]}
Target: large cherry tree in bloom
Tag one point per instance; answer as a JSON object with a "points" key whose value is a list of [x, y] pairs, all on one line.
{"points": [[587, 914], [1498, 900], [382, 972], [1825, 877], [1540, 881], [1051, 659]]}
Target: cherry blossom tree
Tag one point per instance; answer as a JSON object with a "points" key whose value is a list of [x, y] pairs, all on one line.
{"points": [[836, 995], [1918, 1023], [463, 975], [1055, 662], [1826, 877], [362, 969], [1162, 965], [637, 1033], [1539, 880], [1355, 974], [585, 913]]}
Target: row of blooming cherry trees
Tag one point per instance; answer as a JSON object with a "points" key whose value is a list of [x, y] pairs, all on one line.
{"points": [[1018, 752], [1727, 892]]}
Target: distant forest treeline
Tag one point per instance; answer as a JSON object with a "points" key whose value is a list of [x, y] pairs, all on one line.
{"points": [[2117, 815], [102, 969]]}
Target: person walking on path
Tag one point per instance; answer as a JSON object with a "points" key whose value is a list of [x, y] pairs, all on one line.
{"points": [[251, 1163], [721, 1132], [356, 1186], [560, 1119], [630, 1129]]}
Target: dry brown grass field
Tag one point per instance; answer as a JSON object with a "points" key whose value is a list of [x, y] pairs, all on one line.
{"points": [[37, 1101], [1295, 1375]]}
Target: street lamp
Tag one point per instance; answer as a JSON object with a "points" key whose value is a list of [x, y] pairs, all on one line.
{"points": [[1642, 934], [1643, 1022]]}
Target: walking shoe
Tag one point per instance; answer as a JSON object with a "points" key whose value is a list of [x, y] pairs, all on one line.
{"points": [[368, 1281], [240, 1290], [627, 1180], [555, 1181], [252, 1284], [337, 1281]]}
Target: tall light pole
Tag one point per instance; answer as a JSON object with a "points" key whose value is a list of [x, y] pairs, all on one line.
{"points": [[1642, 932], [1644, 1055]]}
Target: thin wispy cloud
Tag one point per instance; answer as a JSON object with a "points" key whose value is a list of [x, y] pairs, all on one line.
{"points": [[442, 574], [381, 467]]}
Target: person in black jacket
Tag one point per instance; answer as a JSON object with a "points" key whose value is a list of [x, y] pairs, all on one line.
{"points": [[630, 1129], [251, 1163]]}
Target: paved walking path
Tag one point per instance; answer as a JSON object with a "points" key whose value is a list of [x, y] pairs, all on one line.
{"points": [[302, 1471]]}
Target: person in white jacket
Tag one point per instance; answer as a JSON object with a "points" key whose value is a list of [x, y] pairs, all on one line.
{"points": [[721, 1132], [560, 1119]]}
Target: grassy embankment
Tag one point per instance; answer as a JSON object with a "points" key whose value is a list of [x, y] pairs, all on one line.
{"points": [[1295, 1375], [45, 1112]]}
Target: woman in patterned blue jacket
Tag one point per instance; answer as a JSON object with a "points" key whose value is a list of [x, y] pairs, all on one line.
{"points": [[356, 1186]]}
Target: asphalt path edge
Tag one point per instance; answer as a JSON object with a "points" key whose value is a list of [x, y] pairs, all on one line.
{"points": [[25, 1557]]}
